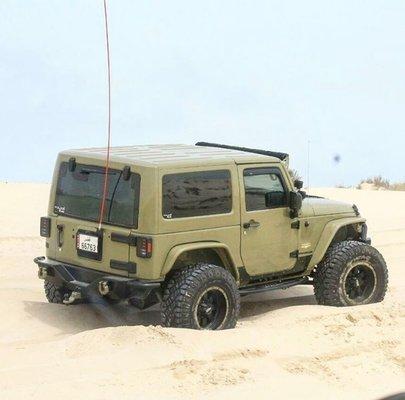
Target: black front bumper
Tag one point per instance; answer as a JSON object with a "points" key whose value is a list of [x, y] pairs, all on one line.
{"points": [[141, 294]]}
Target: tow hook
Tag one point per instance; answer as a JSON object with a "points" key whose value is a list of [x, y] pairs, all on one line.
{"points": [[74, 296], [103, 288]]}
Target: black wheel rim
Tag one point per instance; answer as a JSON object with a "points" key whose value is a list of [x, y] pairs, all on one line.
{"points": [[212, 309], [360, 283]]}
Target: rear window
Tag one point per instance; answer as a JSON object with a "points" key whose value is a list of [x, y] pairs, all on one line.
{"points": [[193, 194], [79, 194]]}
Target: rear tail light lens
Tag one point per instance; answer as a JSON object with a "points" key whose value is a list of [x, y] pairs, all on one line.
{"points": [[144, 247], [45, 227]]}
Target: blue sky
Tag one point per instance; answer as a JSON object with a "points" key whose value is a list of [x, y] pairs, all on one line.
{"points": [[268, 74]]}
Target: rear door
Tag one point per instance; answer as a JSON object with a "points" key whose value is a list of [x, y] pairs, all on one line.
{"points": [[77, 204], [83, 245], [267, 240]]}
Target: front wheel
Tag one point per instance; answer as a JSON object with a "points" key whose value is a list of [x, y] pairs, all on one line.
{"points": [[204, 296], [352, 273]]}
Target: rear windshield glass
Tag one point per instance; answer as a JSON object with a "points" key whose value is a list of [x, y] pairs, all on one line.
{"points": [[79, 194], [192, 194]]}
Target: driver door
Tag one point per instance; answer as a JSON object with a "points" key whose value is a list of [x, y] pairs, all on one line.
{"points": [[267, 239]]}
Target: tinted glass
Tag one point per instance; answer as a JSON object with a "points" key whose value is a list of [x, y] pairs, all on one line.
{"points": [[258, 182], [197, 193], [79, 194]]}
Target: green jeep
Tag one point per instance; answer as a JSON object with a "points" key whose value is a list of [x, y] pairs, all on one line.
{"points": [[195, 228]]}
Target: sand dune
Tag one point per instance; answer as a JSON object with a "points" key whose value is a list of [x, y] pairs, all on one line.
{"points": [[285, 346]]}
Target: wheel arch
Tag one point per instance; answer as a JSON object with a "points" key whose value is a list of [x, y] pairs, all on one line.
{"points": [[210, 252], [331, 234]]}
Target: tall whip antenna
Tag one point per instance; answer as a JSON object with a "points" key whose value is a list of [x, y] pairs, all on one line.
{"points": [[107, 161]]}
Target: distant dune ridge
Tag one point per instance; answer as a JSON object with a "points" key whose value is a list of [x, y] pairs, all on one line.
{"points": [[380, 183], [284, 347]]}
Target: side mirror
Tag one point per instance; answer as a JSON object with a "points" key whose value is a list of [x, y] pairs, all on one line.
{"points": [[295, 203], [298, 184], [274, 199]]}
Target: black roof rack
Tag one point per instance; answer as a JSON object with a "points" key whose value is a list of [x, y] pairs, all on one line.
{"points": [[281, 156]]}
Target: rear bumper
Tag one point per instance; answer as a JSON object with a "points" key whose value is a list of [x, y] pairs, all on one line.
{"points": [[88, 283]]}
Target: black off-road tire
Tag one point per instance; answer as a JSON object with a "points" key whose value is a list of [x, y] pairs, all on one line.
{"points": [[334, 275], [55, 294], [184, 292]]}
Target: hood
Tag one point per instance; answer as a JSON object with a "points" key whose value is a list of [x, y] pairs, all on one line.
{"points": [[313, 206]]}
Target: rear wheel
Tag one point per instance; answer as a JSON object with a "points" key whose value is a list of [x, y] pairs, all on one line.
{"points": [[55, 294], [204, 296], [352, 273]]}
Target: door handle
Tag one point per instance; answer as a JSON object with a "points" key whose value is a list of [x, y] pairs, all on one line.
{"points": [[251, 224]]}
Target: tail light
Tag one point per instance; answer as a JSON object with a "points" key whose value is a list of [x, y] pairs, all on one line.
{"points": [[45, 227], [144, 247]]}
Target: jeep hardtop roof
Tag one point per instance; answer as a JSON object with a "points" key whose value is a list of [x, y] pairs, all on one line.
{"points": [[173, 155]]}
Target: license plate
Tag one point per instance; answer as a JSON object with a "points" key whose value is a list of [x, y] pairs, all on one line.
{"points": [[87, 243]]}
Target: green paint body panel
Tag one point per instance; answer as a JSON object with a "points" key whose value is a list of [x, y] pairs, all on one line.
{"points": [[261, 251]]}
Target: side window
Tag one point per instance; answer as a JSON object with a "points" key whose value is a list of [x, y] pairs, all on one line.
{"points": [[260, 181], [194, 194]]}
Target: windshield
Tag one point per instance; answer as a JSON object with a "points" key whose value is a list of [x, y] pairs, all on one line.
{"points": [[79, 194]]}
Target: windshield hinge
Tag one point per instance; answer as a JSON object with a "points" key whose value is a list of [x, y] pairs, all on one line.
{"points": [[72, 164], [296, 225], [126, 172], [123, 266], [118, 237]]}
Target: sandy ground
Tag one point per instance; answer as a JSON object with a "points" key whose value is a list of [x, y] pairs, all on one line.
{"points": [[285, 346]]}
